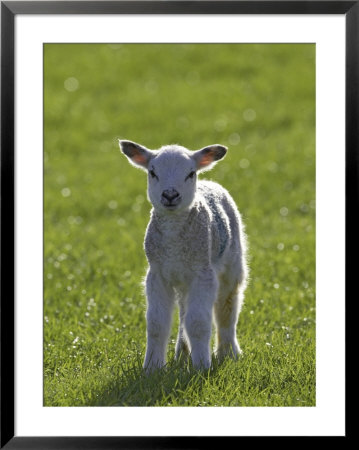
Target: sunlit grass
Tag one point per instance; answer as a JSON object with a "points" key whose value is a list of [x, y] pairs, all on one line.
{"points": [[259, 100]]}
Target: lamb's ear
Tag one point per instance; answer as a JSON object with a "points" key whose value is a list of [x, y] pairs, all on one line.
{"points": [[138, 155], [207, 157]]}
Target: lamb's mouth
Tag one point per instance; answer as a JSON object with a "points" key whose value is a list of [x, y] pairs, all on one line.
{"points": [[171, 205]]}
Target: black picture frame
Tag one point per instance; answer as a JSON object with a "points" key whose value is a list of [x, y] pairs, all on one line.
{"points": [[9, 10]]}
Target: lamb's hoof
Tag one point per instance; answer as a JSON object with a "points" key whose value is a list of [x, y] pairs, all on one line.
{"points": [[150, 368], [202, 365], [230, 351]]}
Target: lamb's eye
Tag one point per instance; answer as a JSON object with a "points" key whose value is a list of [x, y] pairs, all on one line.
{"points": [[153, 175], [190, 175]]}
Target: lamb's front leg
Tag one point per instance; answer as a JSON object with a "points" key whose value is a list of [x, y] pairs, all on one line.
{"points": [[198, 320], [160, 304]]}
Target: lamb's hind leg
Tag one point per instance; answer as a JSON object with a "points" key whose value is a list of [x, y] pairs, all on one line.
{"points": [[226, 311], [182, 348]]}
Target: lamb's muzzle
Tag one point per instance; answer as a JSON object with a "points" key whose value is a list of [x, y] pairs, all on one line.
{"points": [[170, 198]]}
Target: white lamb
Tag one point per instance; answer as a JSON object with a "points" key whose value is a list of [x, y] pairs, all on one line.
{"points": [[195, 246]]}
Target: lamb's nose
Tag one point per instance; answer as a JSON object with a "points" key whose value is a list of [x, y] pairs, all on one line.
{"points": [[170, 194]]}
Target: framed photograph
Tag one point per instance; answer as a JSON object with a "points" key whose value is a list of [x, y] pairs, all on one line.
{"points": [[173, 305]]}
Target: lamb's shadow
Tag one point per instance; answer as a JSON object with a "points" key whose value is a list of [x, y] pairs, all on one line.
{"points": [[167, 386]]}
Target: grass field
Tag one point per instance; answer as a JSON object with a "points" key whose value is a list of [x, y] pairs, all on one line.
{"points": [[259, 100]]}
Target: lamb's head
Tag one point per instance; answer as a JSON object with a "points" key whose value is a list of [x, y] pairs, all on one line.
{"points": [[172, 171]]}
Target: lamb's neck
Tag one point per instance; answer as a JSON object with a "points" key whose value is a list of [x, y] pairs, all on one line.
{"points": [[171, 222]]}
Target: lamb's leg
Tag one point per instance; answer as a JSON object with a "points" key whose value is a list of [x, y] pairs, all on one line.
{"points": [[160, 303], [226, 311], [182, 349], [198, 320]]}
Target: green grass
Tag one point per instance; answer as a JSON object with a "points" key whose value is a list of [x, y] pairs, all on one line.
{"points": [[257, 99]]}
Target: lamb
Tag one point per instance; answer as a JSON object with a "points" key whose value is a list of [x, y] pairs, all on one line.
{"points": [[196, 249]]}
